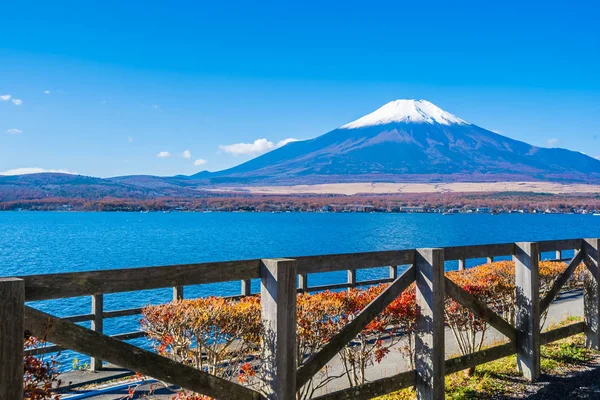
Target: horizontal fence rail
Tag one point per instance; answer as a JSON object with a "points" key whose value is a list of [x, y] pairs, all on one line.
{"points": [[291, 275]]}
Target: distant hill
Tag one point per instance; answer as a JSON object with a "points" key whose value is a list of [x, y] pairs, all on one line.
{"points": [[403, 141], [411, 141], [45, 185]]}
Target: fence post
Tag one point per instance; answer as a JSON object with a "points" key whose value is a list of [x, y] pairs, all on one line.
{"points": [[351, 278], [278, 299], [177, 293], [97, 325], [591, 293], [393, 272], [462, 264], [527, 257], [12, 302], [558, 255], [246, 287], [303, 282], [490, 259], [429, 338]]}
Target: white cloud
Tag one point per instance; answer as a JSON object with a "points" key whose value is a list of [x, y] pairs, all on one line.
{"points": [[260, 146], [597, 158], [17, 102], [496, 131], [47, 92], [163, 154], [186, 154], [551, 142], [35, 170], [155, 106], [199, 162], [130, 139], [5, 97], [14, 131]]}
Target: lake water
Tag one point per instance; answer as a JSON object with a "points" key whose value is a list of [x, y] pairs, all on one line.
{"points": [[44, 242]]}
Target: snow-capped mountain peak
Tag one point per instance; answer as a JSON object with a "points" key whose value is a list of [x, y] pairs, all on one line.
{"points": [[413, 111]]}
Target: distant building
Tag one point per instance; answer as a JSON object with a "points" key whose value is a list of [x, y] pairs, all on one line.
{"points": [[483, 210], [412, 209]]}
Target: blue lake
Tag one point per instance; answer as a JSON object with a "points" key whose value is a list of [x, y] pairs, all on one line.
{"points": [[44, 242]]}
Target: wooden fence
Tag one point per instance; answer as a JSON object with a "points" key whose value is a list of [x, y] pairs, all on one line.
{"points": [[281, 279]]}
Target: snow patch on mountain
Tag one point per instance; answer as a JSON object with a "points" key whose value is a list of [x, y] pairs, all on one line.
{"points": [[410, 111]]}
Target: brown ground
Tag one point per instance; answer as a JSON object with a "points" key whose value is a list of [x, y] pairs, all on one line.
{"points": [[390, 188]]}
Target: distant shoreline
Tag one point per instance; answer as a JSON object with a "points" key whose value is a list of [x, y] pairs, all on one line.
{"points": [[429, 202]]}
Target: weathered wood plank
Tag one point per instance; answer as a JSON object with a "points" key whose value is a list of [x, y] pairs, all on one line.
{"points": [[12, 301], [591, 293], [481, 357], [373, 389], [460, 363], [371, 282], [333, 286], [43, 350], [97, 326], [479, 309], [559, 245], [129, 335], [429, 337], [354, 327], [278, 299], [54, 348], [346, 285], [94, 344], [340, 262], [528, 308], [562, 332], [80, 318], [478, 251], [560, 281], [54, 286], [123, 313]]}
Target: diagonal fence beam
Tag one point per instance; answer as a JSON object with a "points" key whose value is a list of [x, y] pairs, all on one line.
{"points": [[479, 309], [353, 328], [82, 340], [560, 281], [591, 265]]}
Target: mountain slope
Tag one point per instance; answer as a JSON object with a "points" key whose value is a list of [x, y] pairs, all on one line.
{"points": [[410, 140]]}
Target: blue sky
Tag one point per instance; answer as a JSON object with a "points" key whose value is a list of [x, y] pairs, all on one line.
{"points": [[106, 87]]}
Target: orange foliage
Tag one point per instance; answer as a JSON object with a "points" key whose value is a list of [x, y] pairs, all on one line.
{"points": [[40, 377], [223, 337], [213, 334], [494, 285]]}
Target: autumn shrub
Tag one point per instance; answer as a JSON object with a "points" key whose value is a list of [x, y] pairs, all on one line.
{"points": [[319, 317], [213, 334], [323, 315], [382, 334], [40, 377], [494, 285]]}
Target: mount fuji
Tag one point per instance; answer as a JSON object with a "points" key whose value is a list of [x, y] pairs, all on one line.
{"points": [[410, 141]]}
